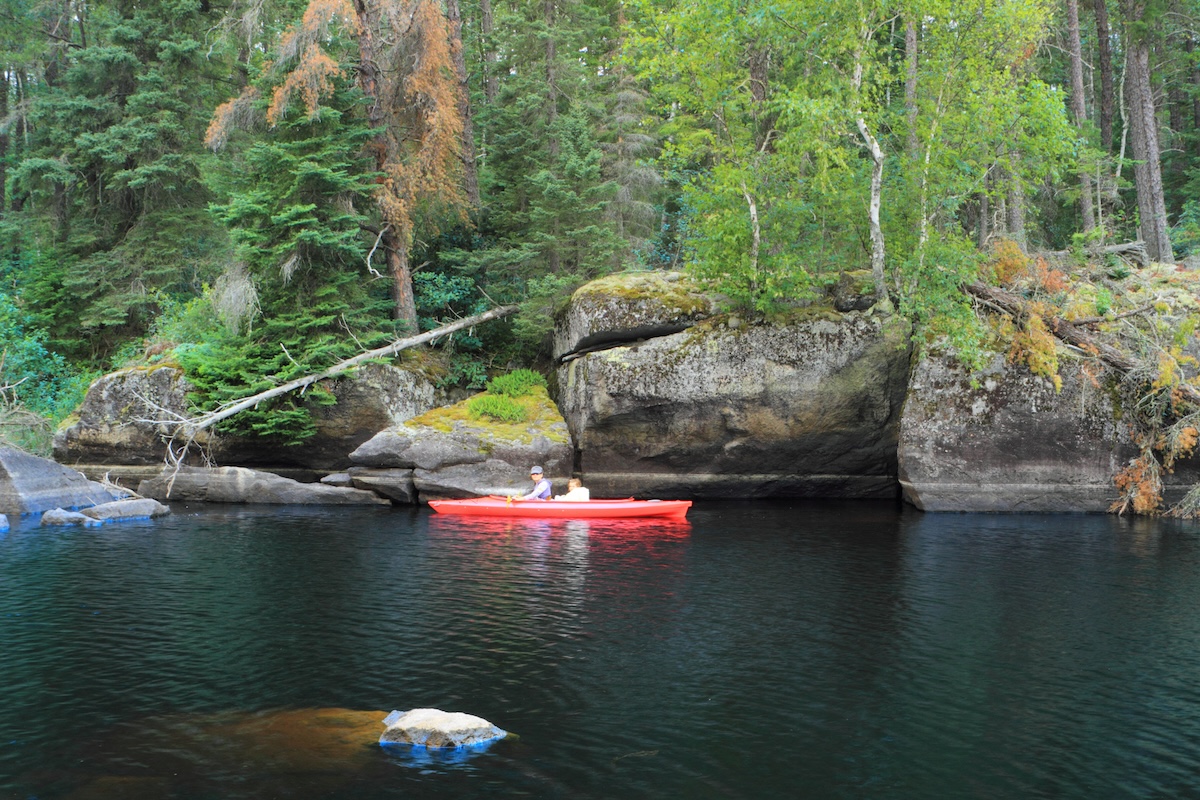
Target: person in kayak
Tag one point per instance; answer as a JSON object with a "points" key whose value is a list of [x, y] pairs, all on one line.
{"points": [[575, 491], [541, 487]]}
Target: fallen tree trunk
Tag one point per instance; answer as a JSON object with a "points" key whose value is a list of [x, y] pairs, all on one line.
{"points": [[1072, 334], [1129, 251], [189, 428]]}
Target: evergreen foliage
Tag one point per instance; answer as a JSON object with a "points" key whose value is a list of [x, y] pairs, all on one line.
{"points": [[107, 190], [292, 210]]}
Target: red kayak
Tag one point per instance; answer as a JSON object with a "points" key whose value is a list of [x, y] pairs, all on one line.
{"points": [[563, 509]]}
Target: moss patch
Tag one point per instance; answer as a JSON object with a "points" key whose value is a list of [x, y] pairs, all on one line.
{"points": [[542, 418], [679, 294]]}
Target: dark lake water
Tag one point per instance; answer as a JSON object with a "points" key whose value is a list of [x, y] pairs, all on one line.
{"points": [[758, 650]]}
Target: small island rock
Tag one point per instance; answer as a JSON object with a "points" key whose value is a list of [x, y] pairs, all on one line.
{"points": [[432, 727]]}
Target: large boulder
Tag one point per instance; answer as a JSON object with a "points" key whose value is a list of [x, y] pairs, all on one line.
{"points": [[240, 485], [1003, 439], [31, 485], [432, 727], [453, 455], [124, 417], [127, 415], [806, 407], [626, 307]]}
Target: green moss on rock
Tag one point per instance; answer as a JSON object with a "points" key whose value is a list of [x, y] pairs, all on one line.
{"points": [[542, 418]]}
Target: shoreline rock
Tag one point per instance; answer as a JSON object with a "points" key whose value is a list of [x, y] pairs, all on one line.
{"points": [[449, 455], [725, 409], [242, 485], [1003, 440], [30, 485]]}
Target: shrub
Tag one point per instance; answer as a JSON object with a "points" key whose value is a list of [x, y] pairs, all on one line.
{"points": [[517, 383], [499, 407]]}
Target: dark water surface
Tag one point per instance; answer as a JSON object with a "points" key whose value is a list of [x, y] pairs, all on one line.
{"points": [[758, 650]]}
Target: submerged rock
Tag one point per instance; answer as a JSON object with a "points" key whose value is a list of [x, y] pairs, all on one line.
{"points": [[241, 485], [29, 485], [59, 516], [432, 727], [3, 523]]}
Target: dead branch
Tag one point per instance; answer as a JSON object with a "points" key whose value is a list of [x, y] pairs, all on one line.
{"points": [[1072, 334]]}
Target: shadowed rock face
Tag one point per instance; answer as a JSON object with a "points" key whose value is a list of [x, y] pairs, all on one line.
{"points": [[809, 408], [1004, 440]]}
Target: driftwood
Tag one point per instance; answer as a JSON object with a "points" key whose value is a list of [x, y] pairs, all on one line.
{"points": [[1071, 333]]}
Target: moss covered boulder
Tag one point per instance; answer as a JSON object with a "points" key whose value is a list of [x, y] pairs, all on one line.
{"points": [[627, 307], [1003, 439], [453, 453], [807, 406]]}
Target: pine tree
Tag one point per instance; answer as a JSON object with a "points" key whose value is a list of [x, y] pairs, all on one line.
{"points": [[110, 172]]}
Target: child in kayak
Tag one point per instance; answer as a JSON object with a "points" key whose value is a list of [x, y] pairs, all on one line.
{"points": [[575, 491]]}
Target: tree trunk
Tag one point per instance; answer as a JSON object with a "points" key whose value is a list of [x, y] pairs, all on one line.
{"points": [[878, 272], [1079, 110], [190, 428], [4, 90], [985, 213], [470, 175], [404, 307], [1190, 47], [395, 243], [491, 83], [1015, 206], [910, 86], [1107, 94], [759, 63], [553, 259], [1147, 171]]}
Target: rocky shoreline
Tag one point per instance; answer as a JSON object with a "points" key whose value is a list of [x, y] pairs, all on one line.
{"points": [[660, 394]]}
